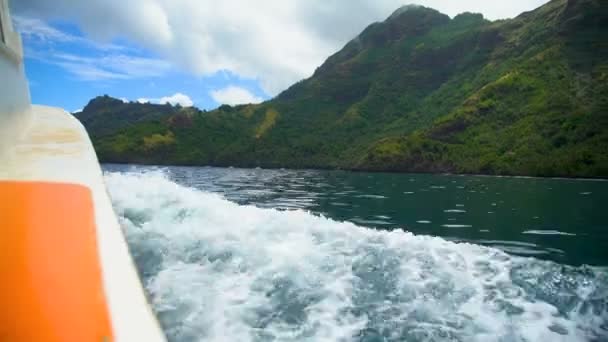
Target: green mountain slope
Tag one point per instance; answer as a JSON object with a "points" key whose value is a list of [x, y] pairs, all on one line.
{"points": [[419, 92]]}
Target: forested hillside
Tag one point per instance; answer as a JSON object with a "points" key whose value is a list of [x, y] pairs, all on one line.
{"points": [[419, 92]]}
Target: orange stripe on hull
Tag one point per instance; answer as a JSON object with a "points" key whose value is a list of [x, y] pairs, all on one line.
{"points": [[50, 275]]}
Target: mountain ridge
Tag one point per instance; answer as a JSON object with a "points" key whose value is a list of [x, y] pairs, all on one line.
{"points": [[419, 92]]}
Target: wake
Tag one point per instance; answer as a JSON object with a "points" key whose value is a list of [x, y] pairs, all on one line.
{"points": [[218, 271]]}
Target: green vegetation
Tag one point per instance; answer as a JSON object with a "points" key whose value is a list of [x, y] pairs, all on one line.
{"points": [[419, 92]]}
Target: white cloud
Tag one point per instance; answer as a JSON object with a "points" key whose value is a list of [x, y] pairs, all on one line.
{"points": [[234, 95], [177, 98], [39, 30], [107, 62], [276, 42], [109, 67]]}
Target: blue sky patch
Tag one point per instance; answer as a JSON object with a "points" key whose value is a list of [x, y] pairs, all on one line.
{"points": [[66, 69]]}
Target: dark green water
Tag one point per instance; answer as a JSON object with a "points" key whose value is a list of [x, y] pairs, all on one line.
{"points": [[279, 255], [561, 220]]}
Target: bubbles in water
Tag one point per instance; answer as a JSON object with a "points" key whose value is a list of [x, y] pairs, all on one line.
{"points": [[218, 271]]}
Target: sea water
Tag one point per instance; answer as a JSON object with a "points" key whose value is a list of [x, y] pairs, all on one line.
{"points": [[277, 255]]}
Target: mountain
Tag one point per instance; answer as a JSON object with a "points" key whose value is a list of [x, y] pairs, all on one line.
{"points": [[419, 92]]}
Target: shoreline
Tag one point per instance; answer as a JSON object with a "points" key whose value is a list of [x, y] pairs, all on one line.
{"points": [[587, 179]]}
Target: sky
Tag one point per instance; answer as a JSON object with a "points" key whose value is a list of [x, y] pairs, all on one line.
{"points": [[196, 52]]}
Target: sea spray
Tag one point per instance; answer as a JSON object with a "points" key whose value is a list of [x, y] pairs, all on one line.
{"points": [[218, 271]]}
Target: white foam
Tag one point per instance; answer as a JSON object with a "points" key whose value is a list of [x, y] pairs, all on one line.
{"points": [[217, 271], [372, 196], [547, 232], [438, 187], [456, 225]]}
